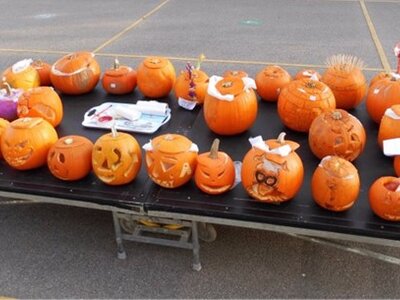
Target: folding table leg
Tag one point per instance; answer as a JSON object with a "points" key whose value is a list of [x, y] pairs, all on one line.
{"points": [[196, 247], [121, 254]]}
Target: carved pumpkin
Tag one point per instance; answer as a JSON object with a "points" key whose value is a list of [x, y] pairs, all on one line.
{"points": [[8, 102], [191, 85], [119, 80], [116, 158], [230, 106], [301, 101], [171, 160], [235, 73], [389, 128], [272, 171], [333, 176], [41, 102], [337, 133], [215, 171], [3, 124], [44, 70], [76, 73], [22, 75], [307, 74], [345, 78], [156, 77], [384, 198], [26, 142], [70, 158], [270, 81]]}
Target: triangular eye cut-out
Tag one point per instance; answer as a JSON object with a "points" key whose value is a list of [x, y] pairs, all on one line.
{"points": [[166, 166]]}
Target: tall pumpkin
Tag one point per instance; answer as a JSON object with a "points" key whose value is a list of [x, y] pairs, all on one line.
{"points": [[230, 106], [22, 75], [270, 81]]}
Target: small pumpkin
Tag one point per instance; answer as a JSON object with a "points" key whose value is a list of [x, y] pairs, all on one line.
{"points": [[191, 85], [171, 160], [345, 78], [116, 158], [337, 133], [270, 81], [41, 102], [119, 80], [76, 73], [384, 198], [26, 141], [301, 101], [70, 158], [307, 73], [8, 102], [389, 127], [3, 124], [156, 77], [215, 171], [235, 73], [22, 75], [272, 171], [44, 70], [230, 105], [333, 176]]}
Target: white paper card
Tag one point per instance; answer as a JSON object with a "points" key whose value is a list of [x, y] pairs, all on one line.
{"points": [[391, 147]]}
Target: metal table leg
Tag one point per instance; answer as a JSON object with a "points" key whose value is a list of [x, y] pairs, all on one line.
{"points": [[196, 247], [121, 254]]}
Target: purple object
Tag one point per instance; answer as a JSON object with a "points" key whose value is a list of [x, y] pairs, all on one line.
{"points": [[8, 103]]}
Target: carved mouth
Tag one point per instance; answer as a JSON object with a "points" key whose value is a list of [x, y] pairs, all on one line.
{"points": [[215, 189]]}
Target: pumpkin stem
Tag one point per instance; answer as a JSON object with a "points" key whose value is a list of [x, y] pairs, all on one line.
{"points": [[214, 149], [281, 138], [227, 84], [199, 61], [114, 130], [68, 141], [336, 115], [311, 84], [116, 63], [155, 61]]}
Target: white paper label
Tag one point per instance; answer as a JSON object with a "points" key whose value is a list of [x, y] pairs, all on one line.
{"points": [[376, 91], [313, 98], [113, 85], [186, 104], [391, 147], [238, 173]]}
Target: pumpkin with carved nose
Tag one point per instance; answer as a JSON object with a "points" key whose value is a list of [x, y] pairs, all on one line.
{"points": [[171, 160]]}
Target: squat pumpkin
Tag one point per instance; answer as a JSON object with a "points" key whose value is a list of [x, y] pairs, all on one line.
{"points": [[191, 85], [384, 198], [270, 81], [119, 80]]}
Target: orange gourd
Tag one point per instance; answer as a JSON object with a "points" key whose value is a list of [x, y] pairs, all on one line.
{"points": [[215, 171], [22, 75], [337, 133], [191, 85], [331, 178], [119, 80], [76, 73], [307, 73], [156, 77], [70, 158], [232, 107], [44, 70], [301, 101], [274, 174], [270, 81], [384, 198], [3, 124], [345, 78], [41, 102], [26, 142], [389, 127], [171, 160]]}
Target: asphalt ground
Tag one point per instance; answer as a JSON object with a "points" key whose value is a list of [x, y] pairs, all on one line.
{"points": [[49, 251]]}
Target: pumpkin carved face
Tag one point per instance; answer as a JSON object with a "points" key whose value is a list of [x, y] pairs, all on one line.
{"points": [[271, 171], [270, 81], [22, 75], [70, 158], [26, 142], [171, 160], [119, 80], [384, 198], [116, 158]]}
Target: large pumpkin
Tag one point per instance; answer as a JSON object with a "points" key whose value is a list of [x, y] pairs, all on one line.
{"points": [[76, 73], [116, 158], [389, 128], [156, 77], [230, 106], [41, 102], [44, 70], [119, 79], [26, 142], [171, 160], [191, 85], [215, 171], [272, 171], [301, 101], [345, 78], [384, 198], [22, 75], [270, 81], [8, 102], [337, 133], [333, 176], [70, 158]]}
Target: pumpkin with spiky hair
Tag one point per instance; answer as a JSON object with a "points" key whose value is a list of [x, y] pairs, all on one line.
{"points": [[345, 78]]}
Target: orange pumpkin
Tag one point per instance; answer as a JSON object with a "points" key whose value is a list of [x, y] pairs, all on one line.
{"points": [[43, 69], [191, 85], [116, 158], [345, 78], [70, 158], [22, 75], [379, 76], [396, 165], [26, 142], [41, 102], [270, 81], [333, 176], [301, 101], [156, 77], [235, 73], [3, 124], [215, 171], [382, 95], [76, 73], [307, 73], [337, 133], [384, 198], [171, 160], [389, 128], [230, 106], [272, 171], [119, 80]]}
